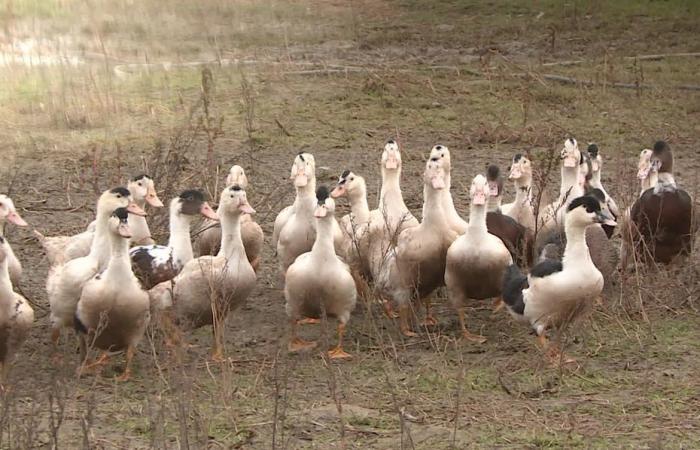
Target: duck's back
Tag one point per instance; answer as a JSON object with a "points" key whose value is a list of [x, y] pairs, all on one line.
{"points": [[16, 318], [476, 266]]}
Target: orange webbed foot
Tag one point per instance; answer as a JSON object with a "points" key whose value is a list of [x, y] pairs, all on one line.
{"points": [[298, 345], [338, 353], [308, 321]]}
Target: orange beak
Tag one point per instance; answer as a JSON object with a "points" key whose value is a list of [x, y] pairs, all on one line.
{"points": [[339, 191], [152, 198], [136, 210], [245, 208]]}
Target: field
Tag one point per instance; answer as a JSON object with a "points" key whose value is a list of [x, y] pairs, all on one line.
{"points": [[92, 92]]}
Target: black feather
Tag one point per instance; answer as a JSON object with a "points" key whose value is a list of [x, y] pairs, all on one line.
{"points": [[391, 141], [121, 213], [590, 203], [517, 157], [438, 147], [124, 192], [2, 240], [301, 155], [492, 172], [660, 146], [78, 325], [597, 194], [345, 174], [322, 193], [140, 177], [192, 195], [593, 150], [236, 187], [514, 281], [545, 268]]}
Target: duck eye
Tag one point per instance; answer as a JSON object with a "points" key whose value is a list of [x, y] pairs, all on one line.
{"points": [[352, 179], [139, 183]]}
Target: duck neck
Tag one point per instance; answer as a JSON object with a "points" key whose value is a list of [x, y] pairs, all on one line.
{"points": [[391, 187], [2, 228], [179, 240], [119, 267], [433, 214], [570, 188], [576, 251], [231, 242], [359, 206], [306, 197], [100, 247], [523, 193], [494, 203], [595, 180], [477, 220], [666, 179], [323, 245], [138, 225], [5, 282]]}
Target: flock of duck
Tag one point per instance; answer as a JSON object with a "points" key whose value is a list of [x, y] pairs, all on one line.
{"points": [[107, 282]]}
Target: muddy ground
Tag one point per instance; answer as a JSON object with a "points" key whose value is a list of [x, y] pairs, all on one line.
{"points": [[337, 80]]}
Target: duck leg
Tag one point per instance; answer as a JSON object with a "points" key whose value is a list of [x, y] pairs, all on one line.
{"points": [[338, 352], [308, 321], [388, 309], [552, 351], [429, 320], [404, 321], [465, 333], [498, 304], [173, 336], [130, 351], [297, 344], [217, 351]]}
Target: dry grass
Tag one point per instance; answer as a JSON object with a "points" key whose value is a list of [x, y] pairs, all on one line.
{"points": [[337, 79]]}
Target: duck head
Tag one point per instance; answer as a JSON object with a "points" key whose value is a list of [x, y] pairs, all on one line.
{"points": [[193, 202], [586, 210], [480, 191], [595, 158], [143, 190], [435, 173], [391, 156], [234, 201], [325, 206], [118, 197], [8, 213], [585, 172], [495, 181], [119, 224], [570, 154], [237, 176], [644, 167], [349, 185], [443, 154], [662, 158], [303, 169], [520, 168]]}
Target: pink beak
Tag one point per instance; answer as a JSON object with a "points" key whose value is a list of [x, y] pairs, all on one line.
{"points": [[570, 161], [515, 173], [391, 161], [301, 179], [644, 172], [124, 230], [493, 189], [339, 191], [16, 219], [207, 212], [320, 211], [479, 198], [245, 208], [438, 182], [153, 200], [136, 210]]}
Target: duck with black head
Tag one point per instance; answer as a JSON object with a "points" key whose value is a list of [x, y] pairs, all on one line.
{"points": [[556, 293], [662, 217]]}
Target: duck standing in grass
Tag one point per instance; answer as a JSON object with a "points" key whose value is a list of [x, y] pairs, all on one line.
{"points": [[476, 260], [16, 316], [320, 281], [113, 311], [555, 293]]}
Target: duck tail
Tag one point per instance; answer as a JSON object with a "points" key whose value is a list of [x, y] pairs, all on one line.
{"points": [[514, 281]]}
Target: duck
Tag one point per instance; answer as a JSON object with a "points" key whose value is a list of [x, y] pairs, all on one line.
{"points": [[440, 154], [319, 281], [113, 310], [391, 213], [416, 266], [571, 186], [604, 253], [662, 216], [595, 182], [60, 249], [209, 288], [646, 172], [155, 264], [495, 180], [8, 213], [555, 293], [296, 226], [521, 210], [476, 260], [209, 236], [16, 315], [65, 281]]}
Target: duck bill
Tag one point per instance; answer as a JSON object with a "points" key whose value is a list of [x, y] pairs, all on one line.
{"points": [[605, 219], [301, 180], [643, 172], [208, 212], [570, 161], [136, 210], [152, 199], [515, 173], [320, 211], [437, 182], [595, 166], [124, 230], [16, 219], [245, 208], [479, 198], [339, 191], [392, 162], [493, 189]]}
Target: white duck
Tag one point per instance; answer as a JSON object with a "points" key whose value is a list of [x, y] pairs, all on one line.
{"points": [[113, 310], [297, 226], [210, 287], [320, 281], [521, 209], [441, 154], [555, 293], [155, 264], [209, 238], [417, 266], [595, 182], [66, 281], [8, 213], [16, 316], [60, 249], [476, 260]]}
